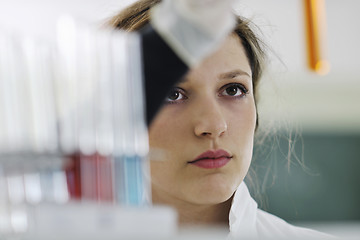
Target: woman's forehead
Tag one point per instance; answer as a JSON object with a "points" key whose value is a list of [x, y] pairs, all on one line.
{"points": [[229, 57], [229, 61]]}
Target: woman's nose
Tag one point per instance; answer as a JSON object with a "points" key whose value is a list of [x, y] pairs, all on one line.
{"points": [[210, 121]]}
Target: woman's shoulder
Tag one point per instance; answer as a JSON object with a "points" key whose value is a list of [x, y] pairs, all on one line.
{"points": [[271, 226], [247, 220]]}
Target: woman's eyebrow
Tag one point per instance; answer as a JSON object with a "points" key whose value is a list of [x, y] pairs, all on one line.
{"points": [[183, 80], [233, 74], [222, 76]]}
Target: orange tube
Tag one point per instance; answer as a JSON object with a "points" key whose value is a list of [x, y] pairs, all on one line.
{"points": [[315, 25]]}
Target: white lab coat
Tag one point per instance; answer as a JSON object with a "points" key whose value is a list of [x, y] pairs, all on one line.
{"points": [[247, 221]]}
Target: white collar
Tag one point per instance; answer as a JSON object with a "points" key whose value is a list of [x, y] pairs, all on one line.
{"points": [[242, 217]]}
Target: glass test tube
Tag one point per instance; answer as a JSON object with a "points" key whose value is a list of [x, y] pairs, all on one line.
{"points": [[66, 100], [104, 117], [131, 184]]}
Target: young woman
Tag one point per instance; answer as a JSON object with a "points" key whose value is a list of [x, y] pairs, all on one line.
{"points": [[202, 119]]}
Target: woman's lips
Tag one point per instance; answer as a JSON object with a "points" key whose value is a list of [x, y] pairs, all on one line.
{"points": [[212, 159]]}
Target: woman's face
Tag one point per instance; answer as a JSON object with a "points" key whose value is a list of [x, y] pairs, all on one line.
{"points": [[212, 111]]}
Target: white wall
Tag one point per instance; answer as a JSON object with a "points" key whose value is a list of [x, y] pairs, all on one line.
{"points": [[293, 94]]}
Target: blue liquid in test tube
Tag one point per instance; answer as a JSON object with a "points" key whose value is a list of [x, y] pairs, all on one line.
{"points": [[129, 180], [131, 169]]}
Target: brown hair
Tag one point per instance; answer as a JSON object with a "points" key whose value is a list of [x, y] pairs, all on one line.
{"points": [[135, 16]]}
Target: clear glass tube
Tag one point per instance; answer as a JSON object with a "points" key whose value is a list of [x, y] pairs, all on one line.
{"points": [[131, 183]]}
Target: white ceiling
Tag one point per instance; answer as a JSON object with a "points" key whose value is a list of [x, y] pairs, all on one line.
{"points": [[290, 93]]}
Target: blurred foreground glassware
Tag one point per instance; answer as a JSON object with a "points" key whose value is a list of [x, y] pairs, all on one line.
{"points": [[72, 123], [107, 132]]}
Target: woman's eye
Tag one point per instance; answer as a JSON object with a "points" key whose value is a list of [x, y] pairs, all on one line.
{"points": [[234, 90], [175, 95]]}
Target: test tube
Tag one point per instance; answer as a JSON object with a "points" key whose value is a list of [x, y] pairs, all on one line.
{"points": [[66, 84], [118, 82], [39, 82], [11, 130], [66, 101], [136, 105], [131, 184], [13, 139], [86, 94], [104, 118]]}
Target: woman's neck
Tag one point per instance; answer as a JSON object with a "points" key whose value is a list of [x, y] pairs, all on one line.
{"points": [[217, 214], [197, 214]]}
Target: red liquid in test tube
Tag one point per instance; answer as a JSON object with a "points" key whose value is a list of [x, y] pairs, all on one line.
{"points": [[90, 177]]}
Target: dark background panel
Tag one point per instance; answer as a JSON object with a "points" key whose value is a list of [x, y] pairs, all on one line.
{"points": [[318, 181]]}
